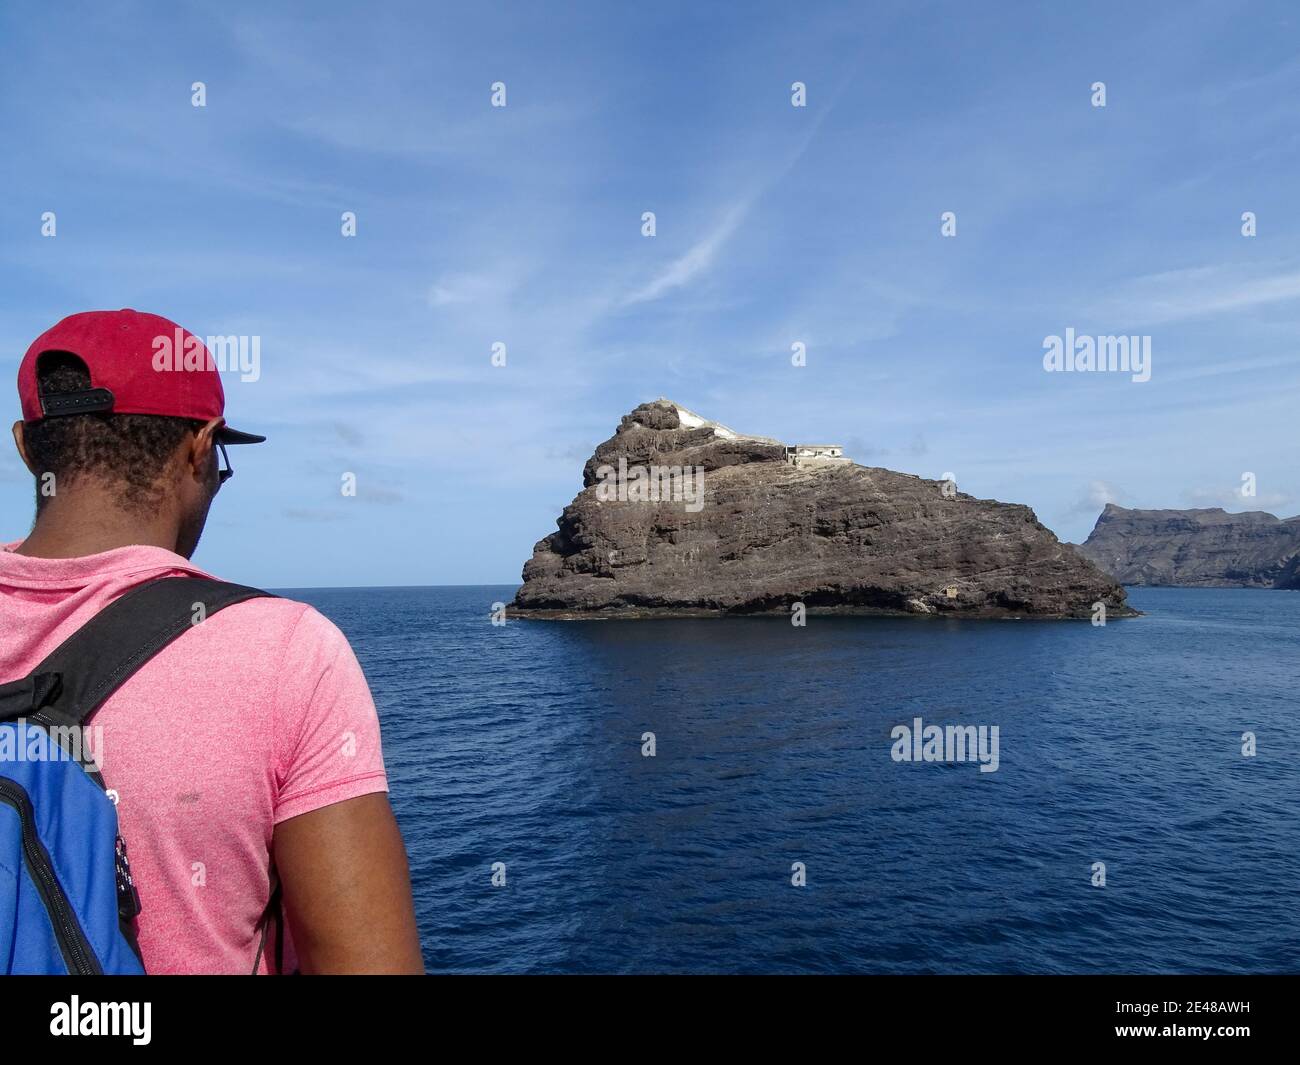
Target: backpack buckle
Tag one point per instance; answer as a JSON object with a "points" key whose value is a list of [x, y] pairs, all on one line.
{"points": [[128, 898]]}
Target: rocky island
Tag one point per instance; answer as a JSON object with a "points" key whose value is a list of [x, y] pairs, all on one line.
{"points": [[682, 516], [1206, 548]]}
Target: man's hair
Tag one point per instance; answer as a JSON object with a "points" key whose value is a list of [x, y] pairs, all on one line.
{"points": [[128, 452]]}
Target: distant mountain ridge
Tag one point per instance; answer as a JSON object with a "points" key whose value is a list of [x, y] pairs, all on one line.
{"points": [[1207, 548]]}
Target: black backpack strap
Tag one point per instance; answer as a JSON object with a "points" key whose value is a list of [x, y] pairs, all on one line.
{"points": [[90, 665]]}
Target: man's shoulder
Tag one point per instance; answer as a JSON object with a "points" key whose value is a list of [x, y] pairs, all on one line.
{"points": [[280, 621], [278, 612]]}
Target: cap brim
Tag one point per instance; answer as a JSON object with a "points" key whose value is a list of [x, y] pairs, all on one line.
{"points": [[228, 435]]}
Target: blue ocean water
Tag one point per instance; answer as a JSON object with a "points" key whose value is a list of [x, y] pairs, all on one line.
{"points": [[1119, 744]]}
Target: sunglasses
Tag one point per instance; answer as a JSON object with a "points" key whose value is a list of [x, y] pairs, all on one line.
{"points": [[225, 471]]}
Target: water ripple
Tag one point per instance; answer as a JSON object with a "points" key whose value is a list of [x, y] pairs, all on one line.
{"points": [[522, 744]]}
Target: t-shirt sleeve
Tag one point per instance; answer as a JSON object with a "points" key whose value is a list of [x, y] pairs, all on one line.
{"points": [[327, 730]]}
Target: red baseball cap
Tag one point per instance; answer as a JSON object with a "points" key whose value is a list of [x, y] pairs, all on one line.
{"points": [[139, 364]]}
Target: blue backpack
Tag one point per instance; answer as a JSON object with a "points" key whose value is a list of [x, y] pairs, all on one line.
{"points": [[67, 901]]}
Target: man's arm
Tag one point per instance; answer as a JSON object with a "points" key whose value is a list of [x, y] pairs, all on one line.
{"points": [[347, 889]]}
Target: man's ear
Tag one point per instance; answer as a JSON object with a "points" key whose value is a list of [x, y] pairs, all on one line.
{"points": [[200, 458], [21, 444]]}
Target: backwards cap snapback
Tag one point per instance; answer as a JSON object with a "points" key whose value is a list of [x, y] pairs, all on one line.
{"points": [[139, 364]]}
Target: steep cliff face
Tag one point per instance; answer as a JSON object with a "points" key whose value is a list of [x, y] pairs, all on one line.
{"points": [[1289, 576], [764, 534], [1196, 548]]}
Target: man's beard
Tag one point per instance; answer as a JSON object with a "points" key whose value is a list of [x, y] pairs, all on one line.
{"points": [[187, 537]]}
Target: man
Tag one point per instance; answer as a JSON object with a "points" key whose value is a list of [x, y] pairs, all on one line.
{"points": [[245, 753]]}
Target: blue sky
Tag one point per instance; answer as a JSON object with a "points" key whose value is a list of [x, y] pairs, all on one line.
{"points": [[775, 224]]}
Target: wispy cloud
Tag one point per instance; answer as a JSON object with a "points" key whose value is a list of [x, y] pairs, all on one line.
{"points": [[1198, 292], [482, 287], [696, 260], [1233, 499], [701, 255], [312, 514]]}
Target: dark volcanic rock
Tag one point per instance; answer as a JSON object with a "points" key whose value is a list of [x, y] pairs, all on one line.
{"points": [[1196, 548], [838, 537], [1290, 576]]}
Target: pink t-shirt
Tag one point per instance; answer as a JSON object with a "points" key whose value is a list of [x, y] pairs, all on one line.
{"points": [[259, 714]]}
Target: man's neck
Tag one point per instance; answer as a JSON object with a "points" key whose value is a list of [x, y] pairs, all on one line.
{"points": [[93, 523]]}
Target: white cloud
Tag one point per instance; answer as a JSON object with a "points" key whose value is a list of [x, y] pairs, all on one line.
{"points": [[700, 256], [1095, 499], [696, 260], [1195, 292], [1233, 500], [468, 288]]}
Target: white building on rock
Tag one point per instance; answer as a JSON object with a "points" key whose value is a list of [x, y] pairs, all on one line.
{"points": [[807, 454]]}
